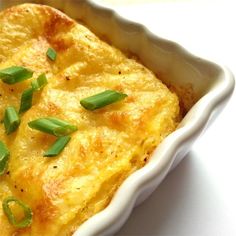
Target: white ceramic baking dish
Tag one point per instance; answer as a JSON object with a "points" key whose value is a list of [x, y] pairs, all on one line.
{"points": [[212, 84]]}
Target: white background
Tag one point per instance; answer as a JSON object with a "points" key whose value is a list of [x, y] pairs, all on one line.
{"points": [[199, 197]]}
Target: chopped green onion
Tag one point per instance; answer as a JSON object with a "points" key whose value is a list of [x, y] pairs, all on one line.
{"points": [[39, 83], [15, 74], [28, 214], [52, 125], [52, 54], [26, 100], [11, 120], [4, 157], [102, 99], [60, 122], [27, 95], [57, 147]]}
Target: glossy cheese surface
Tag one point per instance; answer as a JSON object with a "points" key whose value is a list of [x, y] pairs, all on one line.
{"points": [[110, 143]]}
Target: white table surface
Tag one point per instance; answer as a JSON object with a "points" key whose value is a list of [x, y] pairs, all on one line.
{"points": [[199, 197]]}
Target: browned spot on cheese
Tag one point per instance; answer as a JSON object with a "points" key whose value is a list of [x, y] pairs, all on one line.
{"points": [[52, 109], [57, 22], [44, 211], [130, 98], [98, 146], [45, 138], [82, 150], [117, 118]]}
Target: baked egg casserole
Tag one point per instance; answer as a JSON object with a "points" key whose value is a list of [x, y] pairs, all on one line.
{"points": [[78, 116]]}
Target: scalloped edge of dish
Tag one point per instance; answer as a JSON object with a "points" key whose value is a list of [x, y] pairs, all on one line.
{"points": [[138, 186]]}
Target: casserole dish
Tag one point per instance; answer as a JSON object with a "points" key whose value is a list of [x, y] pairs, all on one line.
{"points": [[210, 84]]}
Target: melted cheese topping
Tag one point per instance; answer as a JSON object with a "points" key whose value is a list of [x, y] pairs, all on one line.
{"points": [[110, 143]]}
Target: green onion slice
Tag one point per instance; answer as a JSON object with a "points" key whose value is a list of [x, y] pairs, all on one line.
{"points": [[39, 83], [51, 54], [102, 99], [28, 215], [11, 120], [26, 100], [4, 157], [52, 125], [57, 147], [15, 74], [27, 95]]}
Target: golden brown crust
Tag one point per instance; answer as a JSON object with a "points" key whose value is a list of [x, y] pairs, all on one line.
{"points": [[57, 22], [110, 143]]}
